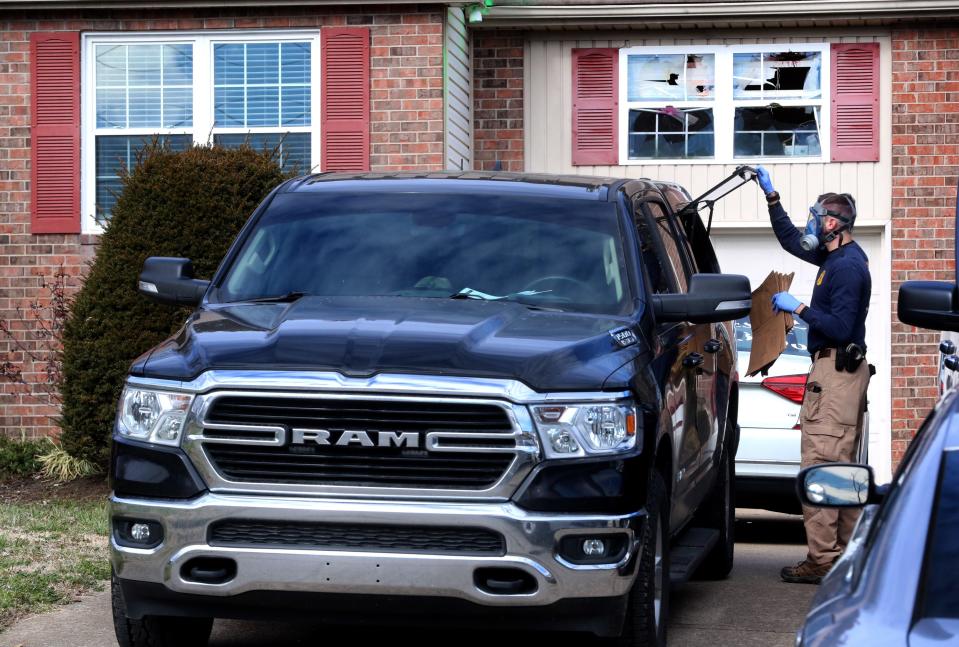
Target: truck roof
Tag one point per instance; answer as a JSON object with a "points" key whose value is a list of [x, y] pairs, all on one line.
{"points": [[556, 186]]}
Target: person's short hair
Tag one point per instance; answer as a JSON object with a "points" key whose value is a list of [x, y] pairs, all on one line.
{"points": [[843, 203]]}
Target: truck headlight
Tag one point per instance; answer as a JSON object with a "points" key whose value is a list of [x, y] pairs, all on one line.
{"points": [[571, 430], [154, 416]]}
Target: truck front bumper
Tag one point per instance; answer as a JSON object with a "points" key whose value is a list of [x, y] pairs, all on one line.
{"points": [[531, 546]]}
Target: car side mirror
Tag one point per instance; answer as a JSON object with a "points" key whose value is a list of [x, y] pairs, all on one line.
{"points": [[836, 485], [170, 280], [929, 304], [710, 298]]}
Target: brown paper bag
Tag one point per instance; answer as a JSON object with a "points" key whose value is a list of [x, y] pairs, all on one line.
{"points": [[769, 328]]}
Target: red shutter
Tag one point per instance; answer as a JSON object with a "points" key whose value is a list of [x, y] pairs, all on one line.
{"points": [[855, 102], [345, 99], [55, 132], [595, 106]]}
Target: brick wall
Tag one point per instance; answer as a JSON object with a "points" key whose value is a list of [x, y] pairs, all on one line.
{"points": [[498, 100], [925, 159], [406, 124]]}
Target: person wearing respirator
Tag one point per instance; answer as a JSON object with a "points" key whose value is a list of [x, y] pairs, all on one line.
{"points": [[835, 398]]}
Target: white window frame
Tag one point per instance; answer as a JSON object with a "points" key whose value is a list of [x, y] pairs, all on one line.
{"points": [[724, 105], [203, 93]]}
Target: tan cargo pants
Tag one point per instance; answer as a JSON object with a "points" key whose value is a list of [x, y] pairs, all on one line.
{"points": [[831, 420]]}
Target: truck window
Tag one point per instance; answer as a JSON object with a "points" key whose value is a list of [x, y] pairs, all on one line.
{"points": [[940, 583], [562, 254], [670, 255]]}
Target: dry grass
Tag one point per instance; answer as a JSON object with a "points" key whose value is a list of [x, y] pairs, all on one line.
{"points": [[50, 553]]}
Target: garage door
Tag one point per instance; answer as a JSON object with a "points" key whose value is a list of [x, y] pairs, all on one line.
{"points": [[755, 252]]}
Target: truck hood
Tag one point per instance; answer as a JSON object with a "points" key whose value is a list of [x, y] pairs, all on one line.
{"points": [[363, 336]]}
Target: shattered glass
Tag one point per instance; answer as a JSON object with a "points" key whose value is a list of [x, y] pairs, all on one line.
{"points": [[669, 132], [680, 77], [784, 75], [773, 131]]}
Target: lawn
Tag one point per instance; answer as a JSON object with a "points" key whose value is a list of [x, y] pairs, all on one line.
{"points": [[53, 548]]}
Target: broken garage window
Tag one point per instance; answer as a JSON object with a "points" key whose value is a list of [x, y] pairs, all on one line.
{"points": [[679, 77], [783, 75], [773, 131], [669, 132]]}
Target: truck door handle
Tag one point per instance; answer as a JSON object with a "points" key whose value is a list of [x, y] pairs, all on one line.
{"points": [[693, 360], [713, 346]]}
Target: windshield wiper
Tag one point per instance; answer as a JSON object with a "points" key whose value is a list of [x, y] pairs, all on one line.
{"points": [[289, 297], [470, 293]]}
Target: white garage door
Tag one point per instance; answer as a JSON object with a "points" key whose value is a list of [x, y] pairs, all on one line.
{"points": [[756, 252]]}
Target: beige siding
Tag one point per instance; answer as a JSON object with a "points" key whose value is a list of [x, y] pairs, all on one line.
{"points": [[459, 93], [549, 118]]}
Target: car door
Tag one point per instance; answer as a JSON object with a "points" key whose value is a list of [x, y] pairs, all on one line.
{"points": [[678, 359]]}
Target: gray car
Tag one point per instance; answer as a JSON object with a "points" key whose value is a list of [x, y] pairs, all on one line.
{"points": [[898, 581]]}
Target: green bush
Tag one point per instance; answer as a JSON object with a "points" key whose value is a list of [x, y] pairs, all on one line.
{"points": [[190, 204], [19, 457]]}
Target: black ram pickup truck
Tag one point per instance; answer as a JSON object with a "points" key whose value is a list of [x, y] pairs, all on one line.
{"points": [[440, 399]]}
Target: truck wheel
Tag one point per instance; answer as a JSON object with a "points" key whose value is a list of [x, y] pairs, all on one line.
{"points": [[648, 605], [719, 513], [156, 631]]}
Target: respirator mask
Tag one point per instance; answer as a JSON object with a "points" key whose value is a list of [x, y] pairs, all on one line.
{"points": [[815, 235]]}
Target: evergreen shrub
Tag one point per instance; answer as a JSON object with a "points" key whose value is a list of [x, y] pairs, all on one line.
{"points": [[189, 204]]}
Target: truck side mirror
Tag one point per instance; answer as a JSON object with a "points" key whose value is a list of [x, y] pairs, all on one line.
{"points": [[170, 280], [929, 304], [711, 298]]}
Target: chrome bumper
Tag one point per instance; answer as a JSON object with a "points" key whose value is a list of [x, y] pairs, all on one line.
{"points": [[531, 540]]}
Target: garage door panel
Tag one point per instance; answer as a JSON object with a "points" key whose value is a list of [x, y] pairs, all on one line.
{"points": [[755, 253]]}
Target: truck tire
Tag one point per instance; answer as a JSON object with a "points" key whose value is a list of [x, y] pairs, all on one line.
{"points": [[156, 631], [647, 610], [719, 513]]}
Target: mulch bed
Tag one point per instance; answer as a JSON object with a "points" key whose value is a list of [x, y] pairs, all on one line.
{"points": [[31, 490]]}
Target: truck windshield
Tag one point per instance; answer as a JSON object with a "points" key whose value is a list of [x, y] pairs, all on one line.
{"points": [[552, 253]]}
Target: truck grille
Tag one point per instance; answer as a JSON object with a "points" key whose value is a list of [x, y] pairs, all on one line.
{"points": [[475, 455], [335, 536]]}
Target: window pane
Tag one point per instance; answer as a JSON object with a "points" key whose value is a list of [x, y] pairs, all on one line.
{"points": [[294, 148], [111, 108], [143, 65], [784, 75], [229, 107], [116, 152], [144, 86], [261, 84], [296, 106], [777, 131], [670, 133], [228, 64], [111, 68], [654, 77], [262, 106], [295, 63], [262, 63], [144, 108], [178, 65]]}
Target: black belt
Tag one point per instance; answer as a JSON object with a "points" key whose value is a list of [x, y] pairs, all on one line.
{"points": [[823, 353]]}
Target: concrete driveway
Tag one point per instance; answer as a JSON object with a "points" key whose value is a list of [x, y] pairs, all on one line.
{"points": [[751, 608]]}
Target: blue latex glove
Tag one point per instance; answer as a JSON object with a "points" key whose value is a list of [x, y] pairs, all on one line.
{"points": [[765, 182], [785, 302]]}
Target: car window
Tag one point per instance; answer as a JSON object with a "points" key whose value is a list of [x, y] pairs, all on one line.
{"points": [[796, 339], [939, 596], [669, 247]]}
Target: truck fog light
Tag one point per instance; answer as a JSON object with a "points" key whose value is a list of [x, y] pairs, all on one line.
{"points": [[562, 441], [137, 533], [594, 547], [140, 533]]}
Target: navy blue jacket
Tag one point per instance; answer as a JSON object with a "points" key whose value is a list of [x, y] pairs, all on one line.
{"points": [[840, 299]]}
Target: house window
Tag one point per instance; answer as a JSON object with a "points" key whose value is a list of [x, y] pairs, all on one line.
{"points": [[182, 89], [723, 103]]}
